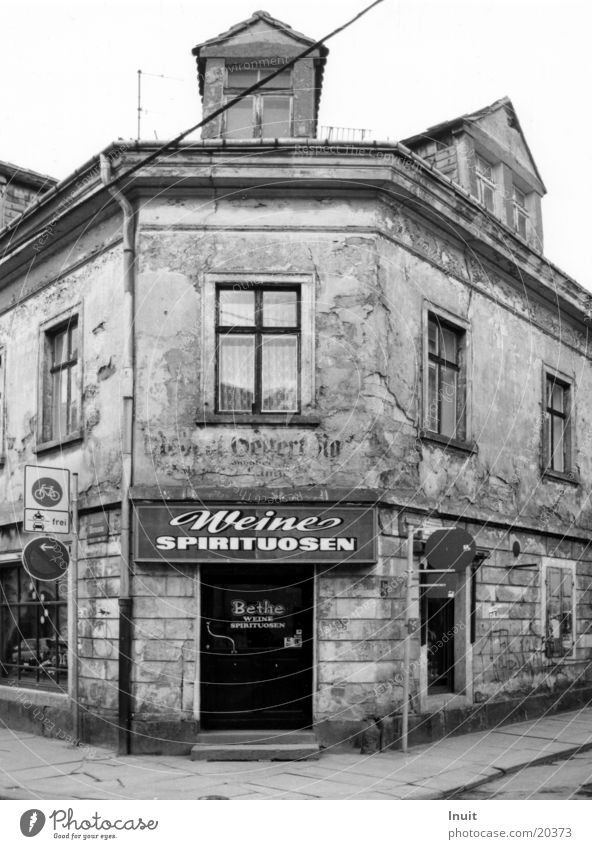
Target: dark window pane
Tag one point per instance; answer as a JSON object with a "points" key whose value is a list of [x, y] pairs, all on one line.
{"points": [[60, 404], [239, 120], [237, 373], [448, 401], [275, 119], [432, 337], [432, 416], [280, 309], [557, 460], [283, 80], [241, 78], [73, 353], [237, 308], [60, 348], [449, 345], [557, 397], [280, 373], [73, 416]]}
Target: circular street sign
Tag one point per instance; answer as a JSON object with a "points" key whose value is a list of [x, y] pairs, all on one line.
{"points": [[45, 558], [47, 492], [450, 548]]}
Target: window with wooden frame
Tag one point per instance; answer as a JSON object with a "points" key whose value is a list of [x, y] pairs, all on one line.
{"points": [[33, 630], [557, 425], [520, 221], [61, 391], [486, 185], [446, 379], [265, 114], [559, 611], [257, 349]]}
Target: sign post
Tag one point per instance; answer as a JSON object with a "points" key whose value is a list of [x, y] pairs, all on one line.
{"points": [[47, 500]]}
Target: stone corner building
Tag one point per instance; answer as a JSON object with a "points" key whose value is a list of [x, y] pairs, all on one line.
{"points": [[262, 354]]}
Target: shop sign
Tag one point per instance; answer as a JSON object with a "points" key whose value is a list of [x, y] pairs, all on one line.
{"points": [[291, 534]]}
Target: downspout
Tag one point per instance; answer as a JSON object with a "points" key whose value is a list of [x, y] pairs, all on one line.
{"points": [[127, 384]]}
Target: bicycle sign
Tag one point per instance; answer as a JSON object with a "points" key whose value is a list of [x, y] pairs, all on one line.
{"points": [[47, 492], [47, 499]]}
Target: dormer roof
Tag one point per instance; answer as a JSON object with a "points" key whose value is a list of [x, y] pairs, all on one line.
{"points": [[258, 37], [499, 122]]}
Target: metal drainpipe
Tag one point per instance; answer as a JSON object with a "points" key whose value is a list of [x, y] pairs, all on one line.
{"points": [[125, 597]]}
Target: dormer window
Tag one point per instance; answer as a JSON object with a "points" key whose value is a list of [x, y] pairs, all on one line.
{"points": [[485, 183], [264, 114], [520, 222]]}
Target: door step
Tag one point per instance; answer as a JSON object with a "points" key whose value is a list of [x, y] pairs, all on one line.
{"points": [[255, 745]]}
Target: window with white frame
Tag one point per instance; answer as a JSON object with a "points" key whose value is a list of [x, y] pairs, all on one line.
{"points": [[520, 212], [559, 609], [486, 185], [257, 347], [267, 113]]}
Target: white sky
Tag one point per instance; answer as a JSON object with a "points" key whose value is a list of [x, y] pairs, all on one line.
{"points": [[69, 72]]}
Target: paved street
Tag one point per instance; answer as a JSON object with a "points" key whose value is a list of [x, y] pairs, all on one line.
{"points": [[34, 767], [557, 780]]}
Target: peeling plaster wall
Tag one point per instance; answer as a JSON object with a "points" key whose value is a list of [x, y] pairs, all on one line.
{"points": [[374, 266], [88, 275], [52, 287]]}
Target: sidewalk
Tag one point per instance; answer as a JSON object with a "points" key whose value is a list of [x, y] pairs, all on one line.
{"points": [[34, 767]]}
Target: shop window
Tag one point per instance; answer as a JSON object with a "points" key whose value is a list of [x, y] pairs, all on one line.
{"points": [[446, 379], [33, 630], [258, 350], [60, 389], [559, 611], [485, 183], [265, 114], [558, 431]]}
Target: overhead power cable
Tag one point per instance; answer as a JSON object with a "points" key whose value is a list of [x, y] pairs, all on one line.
{"points": [[172, 143]]}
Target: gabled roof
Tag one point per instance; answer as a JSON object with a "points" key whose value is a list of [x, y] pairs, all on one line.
{"points": [[238, 41], [475, 118], [250, 22], [25, 175]]}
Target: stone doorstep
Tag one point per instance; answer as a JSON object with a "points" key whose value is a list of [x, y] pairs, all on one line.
{"points": [[255, 745], [253, 752]]}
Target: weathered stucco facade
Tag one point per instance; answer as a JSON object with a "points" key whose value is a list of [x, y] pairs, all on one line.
{"points": [[375, 241]]}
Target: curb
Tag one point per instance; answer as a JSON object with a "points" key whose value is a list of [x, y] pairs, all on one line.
{"points": [[564, 755]]}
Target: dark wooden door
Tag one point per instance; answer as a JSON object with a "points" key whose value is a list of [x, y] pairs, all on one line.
{"points": [[256, 648], [440, 643]]}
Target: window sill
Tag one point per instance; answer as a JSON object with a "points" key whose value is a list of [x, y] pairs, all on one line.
{"points": [[561, 477], [282, 419], [41, 447], [448, 442], [36, 695]]}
